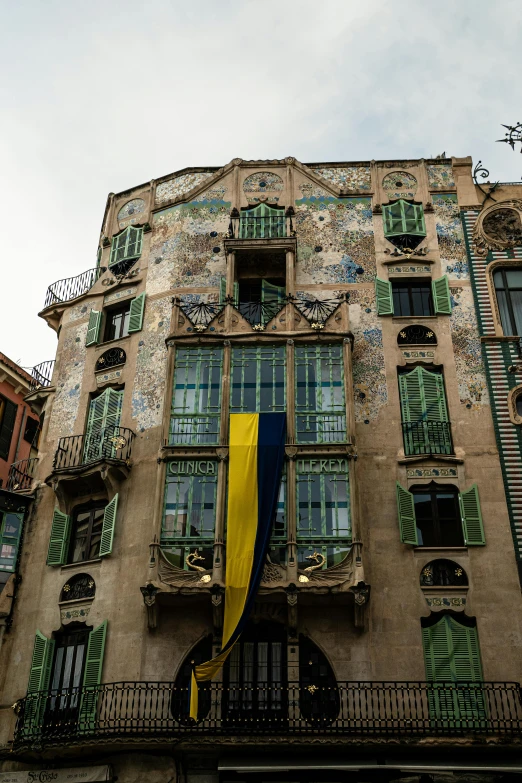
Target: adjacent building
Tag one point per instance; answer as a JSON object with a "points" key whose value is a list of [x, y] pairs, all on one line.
{"points": [[385, 642]]}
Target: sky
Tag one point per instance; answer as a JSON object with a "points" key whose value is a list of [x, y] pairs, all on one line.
{"points": [[101, 96]]}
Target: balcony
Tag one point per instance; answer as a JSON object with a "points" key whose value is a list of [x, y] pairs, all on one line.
{"points": [[262, 222], [72, 287], [427, 437], [111, 444], [41, 375], [21, 475], [148, 710]]}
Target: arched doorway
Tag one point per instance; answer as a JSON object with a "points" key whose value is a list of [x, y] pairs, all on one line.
{"points": [[319, 700], [255, 677], [179, 703]]}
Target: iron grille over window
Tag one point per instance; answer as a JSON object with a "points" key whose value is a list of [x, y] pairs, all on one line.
{"points": [[196, 398], [443, 573], [77, 587], [320, 403], [111, 358], [416, 334]]}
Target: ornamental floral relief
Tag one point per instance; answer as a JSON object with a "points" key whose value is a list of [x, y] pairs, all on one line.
{"points": [[499, 227]]}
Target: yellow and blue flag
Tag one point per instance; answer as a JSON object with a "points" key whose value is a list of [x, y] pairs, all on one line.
{"points": [[257, 444]]}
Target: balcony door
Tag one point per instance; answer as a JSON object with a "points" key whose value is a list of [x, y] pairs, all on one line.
{"points": [[66, 678], [255, 678], [102, 434]]}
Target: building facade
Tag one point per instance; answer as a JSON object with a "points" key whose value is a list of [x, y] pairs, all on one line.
{"points": [[387, 626]]}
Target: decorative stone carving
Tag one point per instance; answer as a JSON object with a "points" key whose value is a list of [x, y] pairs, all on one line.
{"points": [[178, 578], [499, 227], [400, 184], [149, 593], [339, 578]]}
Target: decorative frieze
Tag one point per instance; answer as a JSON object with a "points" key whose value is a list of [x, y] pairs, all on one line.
{"points": [[414, 473], [117, 295]]}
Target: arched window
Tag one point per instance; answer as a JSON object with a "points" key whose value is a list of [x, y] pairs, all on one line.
{"points": [[179, 705], [77, 587], [443, 573], [508, 287], [416, 334]]}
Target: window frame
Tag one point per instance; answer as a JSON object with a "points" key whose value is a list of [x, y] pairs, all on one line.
{"points": [[276, 354], [7, 539], [441, 489], [321, 356], [92, 507], [190, 542], [109, 313], [503, 269], [409, 284], [189, 424]]}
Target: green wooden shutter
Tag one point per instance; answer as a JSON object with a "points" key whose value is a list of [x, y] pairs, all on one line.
{"points": [[118, 248], [236, 294], [109, 519], [441, 295], [102, 422], [407, 522], [137, 308], [39, 679], [7, 427], [383, 294], [223, 289], [93, 330], [434, 397], [59, 540], [133, 243], [272, 293], [92, 678], [423, 401], [413, 219], [471, 514]]}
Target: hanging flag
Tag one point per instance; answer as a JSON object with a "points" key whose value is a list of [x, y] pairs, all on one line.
{"points": [[257, 446]]}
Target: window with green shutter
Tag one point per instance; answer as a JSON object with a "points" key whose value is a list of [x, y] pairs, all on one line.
{"points": [[424, 412], [38, 686], [435, 515], [319, 394], [137, 308], [383, 296], [262, 222], [11, 525], [452, 658], [189, 512], [323, 511], [59, 539], [103, 426], [258, 379], [196, 396], [441, 296], [92, 677], [403, 224], [125, 249], [93, 328]]}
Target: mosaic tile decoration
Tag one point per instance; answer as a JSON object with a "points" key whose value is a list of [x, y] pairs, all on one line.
{"points": [[151, 362], [311, 191], [414, 473], [369, 375], [69, 382], [444, 603], [440, 175], [450, 236], [471, 375], [173, 188], [350, 178], [335, 240], [398, 270], [400, 184], [126, 215], [418, 354], [263, 182], [182, 248]]}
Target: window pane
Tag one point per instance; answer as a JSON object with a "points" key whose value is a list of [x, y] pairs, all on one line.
{"points": [[258, 380], [498, 279], [514, 277], [505, 318], [97, 523], [516, 301], [196, 399], [519, 405], [190, 504], [79, 551]]}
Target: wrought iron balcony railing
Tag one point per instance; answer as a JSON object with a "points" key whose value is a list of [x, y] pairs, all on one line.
{"points": [[261, 227], [159, 709], [320, 427], [41, 374], [21, 474], [427, 437], [113, 443], [72, 287]]}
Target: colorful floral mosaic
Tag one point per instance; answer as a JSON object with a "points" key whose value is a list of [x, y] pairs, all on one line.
{"points": [[369, 375], [354, 178], [263, 182], [183, 250], [311, 191], [450, 236], [69, 382], [177, 186], [440, 176], [335, 240], [151, 362], [471, 376], [128, 213], [399, 184]]}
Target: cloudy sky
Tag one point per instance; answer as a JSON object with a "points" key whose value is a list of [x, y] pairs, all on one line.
{"points": [[100, 96]]}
